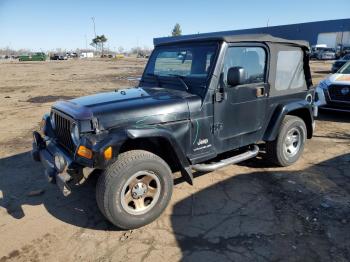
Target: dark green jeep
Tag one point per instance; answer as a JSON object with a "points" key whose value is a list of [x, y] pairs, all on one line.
{"points": [[202, 103]]}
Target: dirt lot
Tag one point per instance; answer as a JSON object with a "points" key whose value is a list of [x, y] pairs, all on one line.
{"points": [[249, 212]]}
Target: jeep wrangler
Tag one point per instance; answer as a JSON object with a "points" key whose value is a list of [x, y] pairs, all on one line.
{"points": [[203, 102]]}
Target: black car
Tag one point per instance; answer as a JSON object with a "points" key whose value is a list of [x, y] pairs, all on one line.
{"points": [[202, 112], [340, 62], [57, 57]]}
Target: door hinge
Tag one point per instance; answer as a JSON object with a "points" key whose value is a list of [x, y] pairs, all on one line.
{"points": [[216, 127]]}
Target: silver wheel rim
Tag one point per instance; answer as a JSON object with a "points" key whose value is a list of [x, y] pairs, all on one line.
{"points": [[292, 142], [140, 193]]}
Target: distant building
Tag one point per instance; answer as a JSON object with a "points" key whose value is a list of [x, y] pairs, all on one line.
{"points": [[87, 55], [332, 32]]}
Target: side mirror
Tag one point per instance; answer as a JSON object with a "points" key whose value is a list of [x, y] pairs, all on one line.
{"points": [[236, 76]]}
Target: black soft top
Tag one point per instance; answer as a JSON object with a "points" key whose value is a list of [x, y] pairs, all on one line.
{"points": [[230, 39]]}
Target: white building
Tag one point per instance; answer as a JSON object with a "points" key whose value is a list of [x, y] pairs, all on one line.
{"points": [[87, 55]]}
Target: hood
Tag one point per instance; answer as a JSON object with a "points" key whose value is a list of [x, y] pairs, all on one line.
{"points": [[339, 79], [135, 106]]}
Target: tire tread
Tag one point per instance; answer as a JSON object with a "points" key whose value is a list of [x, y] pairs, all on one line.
{"points": [[272, 146], [104, 181]]}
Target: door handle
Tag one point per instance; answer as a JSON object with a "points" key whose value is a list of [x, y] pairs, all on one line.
{"points": [[260, 92]]}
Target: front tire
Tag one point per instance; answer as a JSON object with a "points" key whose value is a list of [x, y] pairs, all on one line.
{"points": [[135, 189], [290, 142]]}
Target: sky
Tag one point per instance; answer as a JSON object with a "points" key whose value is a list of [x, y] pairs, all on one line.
{"points": [[67, 24]]}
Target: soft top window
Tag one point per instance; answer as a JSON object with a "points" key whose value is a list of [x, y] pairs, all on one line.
{"points": [[290, 70]]}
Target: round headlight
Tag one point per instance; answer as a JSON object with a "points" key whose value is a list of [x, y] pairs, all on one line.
{"points": [[60, 163], [52, 120], [74, 132]]}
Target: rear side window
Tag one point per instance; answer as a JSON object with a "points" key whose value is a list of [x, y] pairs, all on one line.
{"points": [[290, 70]]}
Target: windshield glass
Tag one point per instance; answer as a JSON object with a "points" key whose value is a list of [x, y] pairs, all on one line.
{"points": [[345, 69], [346, 57], [192, 62], [328, 50]]}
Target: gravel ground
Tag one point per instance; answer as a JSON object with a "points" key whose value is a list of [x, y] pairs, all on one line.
{"points": [[246, 212]]}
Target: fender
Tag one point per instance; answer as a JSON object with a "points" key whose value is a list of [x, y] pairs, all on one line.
{"points": [[185, 166], [287, 109], [117, 138]]}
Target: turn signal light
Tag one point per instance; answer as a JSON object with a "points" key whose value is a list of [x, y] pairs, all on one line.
{"points": [[108, 153], [84, 152]]}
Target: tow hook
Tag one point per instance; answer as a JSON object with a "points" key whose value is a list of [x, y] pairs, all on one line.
{"points": [[61, 180]]}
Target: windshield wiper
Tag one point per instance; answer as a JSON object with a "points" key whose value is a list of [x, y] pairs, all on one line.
{"points": [[181, 78], [156, 77]]}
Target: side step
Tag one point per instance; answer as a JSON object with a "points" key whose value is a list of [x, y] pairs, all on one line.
{"points": [[228, 161]]}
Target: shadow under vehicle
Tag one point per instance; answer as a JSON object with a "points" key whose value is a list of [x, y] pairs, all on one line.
{"points": [[204, 111], [19, 176], [269, 216]]}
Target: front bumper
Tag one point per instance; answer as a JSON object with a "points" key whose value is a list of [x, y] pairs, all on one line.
{"points": [[335, 108], [45, 152]]}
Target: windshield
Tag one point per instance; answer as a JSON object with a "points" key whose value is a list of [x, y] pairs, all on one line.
{"points": [[346, 57], [327, 50], [345, 69], [192, 62]]}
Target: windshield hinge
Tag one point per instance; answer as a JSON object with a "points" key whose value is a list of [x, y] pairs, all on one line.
{"points": [[219, 96], [95, 125]]}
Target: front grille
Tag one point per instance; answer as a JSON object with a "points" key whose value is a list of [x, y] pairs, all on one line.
{"points": [[62, 132], [336, 93]]}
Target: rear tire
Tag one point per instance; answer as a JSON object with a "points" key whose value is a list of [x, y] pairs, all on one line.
{"points": [[290, 142], [135, 189]]}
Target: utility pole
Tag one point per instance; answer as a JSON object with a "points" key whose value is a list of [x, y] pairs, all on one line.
{"points": [[137, 47], [93, 21], [85, 43], [341, 40]]}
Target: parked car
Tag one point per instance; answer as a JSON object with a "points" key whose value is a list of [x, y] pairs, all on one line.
{"points": [[199, 115], [72, 55], [326, 54], [40, 56], [340, 62], [342, 50], [142, 55], [57, 57], [315, 49], [333, 93]]}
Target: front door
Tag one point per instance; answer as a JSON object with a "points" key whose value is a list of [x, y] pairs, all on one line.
{"points": [[240, 114]]}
